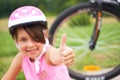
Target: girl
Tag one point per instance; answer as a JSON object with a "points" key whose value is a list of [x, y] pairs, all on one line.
{"points": [[36, 57]]}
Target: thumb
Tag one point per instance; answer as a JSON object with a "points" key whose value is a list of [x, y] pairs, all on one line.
{"points": [[63, 42]]}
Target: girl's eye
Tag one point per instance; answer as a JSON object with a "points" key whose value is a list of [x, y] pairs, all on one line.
{"points": [[23, 40]]}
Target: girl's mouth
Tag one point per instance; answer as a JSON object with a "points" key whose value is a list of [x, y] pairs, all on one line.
{"points": [[33, 51]]}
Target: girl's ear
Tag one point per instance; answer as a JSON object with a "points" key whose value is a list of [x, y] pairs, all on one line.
{"points": [[17, 45], [45, 32]]}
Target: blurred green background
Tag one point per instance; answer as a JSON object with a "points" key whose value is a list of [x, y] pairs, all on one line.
{"points": [[49, 7]]}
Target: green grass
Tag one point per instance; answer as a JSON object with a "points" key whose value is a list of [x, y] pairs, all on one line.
{"points": [[7, 45], [7, 49], [5, 63]]}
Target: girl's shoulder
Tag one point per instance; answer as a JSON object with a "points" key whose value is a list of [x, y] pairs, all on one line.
{"points": [[18, 59], [14, 68], [19, 56]]}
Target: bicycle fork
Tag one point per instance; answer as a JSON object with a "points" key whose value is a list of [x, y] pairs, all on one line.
{"points": [[97, 26]]}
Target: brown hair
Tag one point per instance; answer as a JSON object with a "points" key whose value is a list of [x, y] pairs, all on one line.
{"points": [[34, 30]]}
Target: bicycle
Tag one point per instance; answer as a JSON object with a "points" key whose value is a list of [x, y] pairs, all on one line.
{"points": [[92, 30]]}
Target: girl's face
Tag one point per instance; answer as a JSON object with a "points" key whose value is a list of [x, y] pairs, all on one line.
{"points": [[27, 45]]}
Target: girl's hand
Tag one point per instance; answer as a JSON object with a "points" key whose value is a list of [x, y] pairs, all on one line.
{"points": [[66, 53]]}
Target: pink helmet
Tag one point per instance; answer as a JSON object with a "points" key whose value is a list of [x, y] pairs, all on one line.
{"points": [[24, 15]]}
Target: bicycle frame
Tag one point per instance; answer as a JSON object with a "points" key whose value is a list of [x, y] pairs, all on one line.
{"points": [[97, 27]]}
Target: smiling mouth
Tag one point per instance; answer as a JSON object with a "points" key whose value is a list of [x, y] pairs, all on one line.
{"points": [[33, 51]]}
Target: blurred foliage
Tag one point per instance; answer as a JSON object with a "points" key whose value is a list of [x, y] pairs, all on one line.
{"points": [[7, 45], [49, 7], [80, 20]]}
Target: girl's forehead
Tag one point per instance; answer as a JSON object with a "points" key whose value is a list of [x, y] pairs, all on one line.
{"points": [[21, 32]]}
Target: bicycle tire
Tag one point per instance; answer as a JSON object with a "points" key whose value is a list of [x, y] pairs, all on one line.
{"points": [[61, 23]]}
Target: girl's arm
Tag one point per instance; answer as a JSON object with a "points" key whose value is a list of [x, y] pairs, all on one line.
{"points": [[57, 57], [64, 54], [14, 68], [53, 57]]}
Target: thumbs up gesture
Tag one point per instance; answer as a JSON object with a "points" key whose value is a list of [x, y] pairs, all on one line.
{"points": [[66, 52]]}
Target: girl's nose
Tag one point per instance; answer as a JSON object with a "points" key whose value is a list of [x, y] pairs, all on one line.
{"points": [[31, 44]]}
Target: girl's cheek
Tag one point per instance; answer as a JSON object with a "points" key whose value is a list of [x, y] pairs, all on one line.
{"points": [[23, 48]]}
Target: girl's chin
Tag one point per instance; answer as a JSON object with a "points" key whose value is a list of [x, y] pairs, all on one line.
{"points": [[33, 56]]}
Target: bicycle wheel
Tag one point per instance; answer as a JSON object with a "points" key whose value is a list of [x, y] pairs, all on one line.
{"points": [[78, 22]]}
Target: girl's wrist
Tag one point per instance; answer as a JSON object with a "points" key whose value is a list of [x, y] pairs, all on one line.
{"points": [[57, 58]]}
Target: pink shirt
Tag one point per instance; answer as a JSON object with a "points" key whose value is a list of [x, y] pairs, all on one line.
{"points": [[46, 72]]}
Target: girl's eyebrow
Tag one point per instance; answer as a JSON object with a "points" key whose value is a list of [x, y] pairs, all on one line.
{"points": [[19, 37]]}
